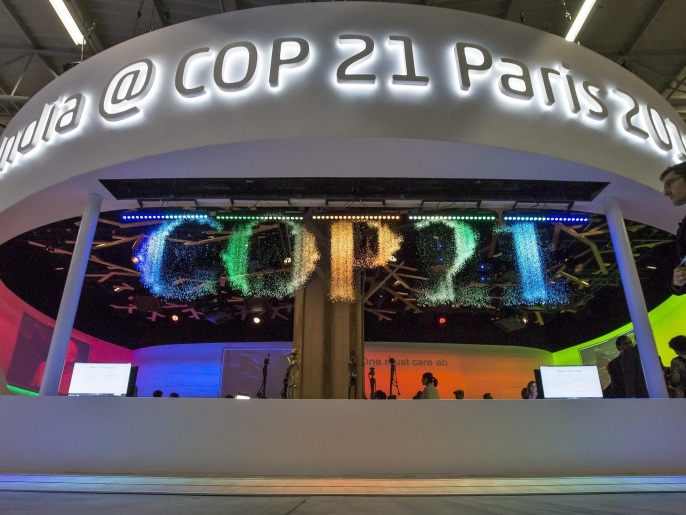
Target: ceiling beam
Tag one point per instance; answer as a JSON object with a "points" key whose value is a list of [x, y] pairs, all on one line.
{"points": [[645, 26], [513, 11], [646, 54], [227, 6], [162, 12], [27, 34], [49, 52]]}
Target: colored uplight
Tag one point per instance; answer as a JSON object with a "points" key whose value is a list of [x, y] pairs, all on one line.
{"points": [[356, 218], [542, 217], [163, 216], [442, 320], [468, 217]]}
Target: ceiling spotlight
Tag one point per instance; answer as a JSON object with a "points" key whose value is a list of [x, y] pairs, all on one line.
{"points": [[175, 318], [134, 260], [257, 320], [287, 261], [442, 320]]}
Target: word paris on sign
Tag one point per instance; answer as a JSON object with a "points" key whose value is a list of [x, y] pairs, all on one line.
{"points": [[234, 68]]}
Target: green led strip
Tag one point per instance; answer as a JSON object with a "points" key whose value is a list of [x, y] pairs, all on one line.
{"points": [[258, 217], [19, 391]]}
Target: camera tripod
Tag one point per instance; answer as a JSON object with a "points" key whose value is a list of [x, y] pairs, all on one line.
{"points": [[394, 380], [261, 393]]}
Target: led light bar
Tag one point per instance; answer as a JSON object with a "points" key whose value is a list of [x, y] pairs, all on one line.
{"points": [[138, 217], [68, 21], [263, 216], [580, 20], [564, 218], [467, 217], [355, 218]]}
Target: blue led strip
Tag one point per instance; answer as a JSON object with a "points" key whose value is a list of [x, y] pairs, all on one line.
{"points": [[160, 216], [164, 281], [490, 217], [540, 217]]}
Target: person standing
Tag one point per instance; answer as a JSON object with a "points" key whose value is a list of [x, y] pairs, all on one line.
{"points": [[674, 186], [630, 360], [532, 390], [677, 368], [429, 382]]}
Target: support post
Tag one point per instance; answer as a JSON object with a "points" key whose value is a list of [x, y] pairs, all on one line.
{"points": [[64, 323], [652, 368]]}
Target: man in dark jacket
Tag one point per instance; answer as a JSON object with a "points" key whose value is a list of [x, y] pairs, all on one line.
{"points": [[674, 186], [626, 371]]}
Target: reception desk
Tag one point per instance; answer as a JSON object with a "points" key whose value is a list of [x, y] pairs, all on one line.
{"points": [[334, 438]]}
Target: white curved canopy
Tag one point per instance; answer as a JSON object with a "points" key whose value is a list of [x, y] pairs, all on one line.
{"points": [[364, 90]]}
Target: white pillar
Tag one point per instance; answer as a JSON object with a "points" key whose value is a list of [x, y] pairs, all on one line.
{"points": [[70, 298], [652, 368]]}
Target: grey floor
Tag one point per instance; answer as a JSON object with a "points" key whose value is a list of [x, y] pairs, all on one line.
{"points": [[69, 503], [79, 494]]}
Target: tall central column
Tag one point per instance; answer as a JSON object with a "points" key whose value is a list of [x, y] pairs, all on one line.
{"points": [[326, 333]]}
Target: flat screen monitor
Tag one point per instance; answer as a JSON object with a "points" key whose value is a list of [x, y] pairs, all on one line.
{"points": [[100, 379], [571, 382]]}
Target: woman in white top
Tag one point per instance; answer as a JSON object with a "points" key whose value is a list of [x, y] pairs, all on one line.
{"points": [[430, 383]]}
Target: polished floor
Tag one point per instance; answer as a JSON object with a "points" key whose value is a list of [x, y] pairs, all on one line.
{"points": [[21, 494]]}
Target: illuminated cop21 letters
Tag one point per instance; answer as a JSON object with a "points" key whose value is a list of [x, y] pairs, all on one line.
{"points": [[169, 270], [234, 67]]}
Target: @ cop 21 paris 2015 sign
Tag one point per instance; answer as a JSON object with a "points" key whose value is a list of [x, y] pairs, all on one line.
{"points": [[234, 67]]}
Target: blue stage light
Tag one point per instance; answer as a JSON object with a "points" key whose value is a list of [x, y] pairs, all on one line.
{"points": [[552, 217]]}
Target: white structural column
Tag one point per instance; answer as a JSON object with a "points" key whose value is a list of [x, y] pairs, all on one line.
{"points": [[70, 298], [652, 368]]}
